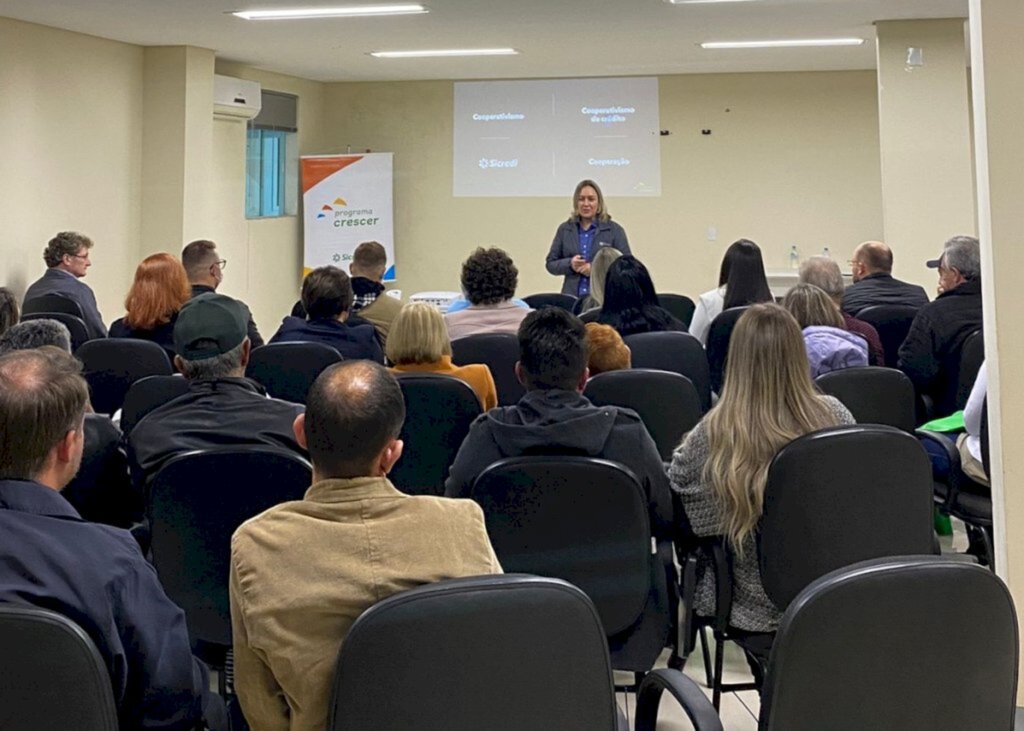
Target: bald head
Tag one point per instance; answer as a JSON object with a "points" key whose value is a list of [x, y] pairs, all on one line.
{"points": [[354, 411], [823, 272], [871, 257]]}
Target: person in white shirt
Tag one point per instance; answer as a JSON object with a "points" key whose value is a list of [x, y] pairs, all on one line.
{"points": [[741, 282]]}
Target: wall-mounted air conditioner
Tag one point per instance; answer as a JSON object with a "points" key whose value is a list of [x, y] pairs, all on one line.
{"points": [[236, 98]]}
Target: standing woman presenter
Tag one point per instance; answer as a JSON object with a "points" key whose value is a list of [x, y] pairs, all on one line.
{"points": [[578, 239]]}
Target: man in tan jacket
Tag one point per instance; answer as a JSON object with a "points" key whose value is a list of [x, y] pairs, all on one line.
{"points": [[303, 571], [369, 263]]}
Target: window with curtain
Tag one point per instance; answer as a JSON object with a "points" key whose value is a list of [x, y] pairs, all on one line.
{"points": [[272, 160]]}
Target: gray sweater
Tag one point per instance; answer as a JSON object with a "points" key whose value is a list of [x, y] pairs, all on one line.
{"points": [[752, 610]]}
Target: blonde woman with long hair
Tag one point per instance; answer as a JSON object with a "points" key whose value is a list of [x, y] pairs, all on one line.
{"points": [[720, 469]]}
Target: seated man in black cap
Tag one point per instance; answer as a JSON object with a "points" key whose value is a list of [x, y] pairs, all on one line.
{"points": [[222, 407]]}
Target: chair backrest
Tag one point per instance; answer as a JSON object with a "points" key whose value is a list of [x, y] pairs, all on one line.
{"points": [[438, 413], [972, 355], [575, 518], [551, 299], [112, 365], [52, 303], [148, 393], [838, 496], [676, 352], [51, 674], [75, 325], [892, 323], [287, 370], [195, 502], [871, 646], [502, 653], [101, 490], [679, 306], [590, 315], [873, 395], [499, 352], [719, 335], [667, 402]]}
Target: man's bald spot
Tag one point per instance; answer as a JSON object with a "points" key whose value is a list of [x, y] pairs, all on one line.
{"points": [[25, 370], [354, 383], [876, 256]]}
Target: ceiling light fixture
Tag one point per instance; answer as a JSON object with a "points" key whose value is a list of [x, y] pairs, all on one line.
{"points": [[352, 11], [794, 43], [452, 52]]}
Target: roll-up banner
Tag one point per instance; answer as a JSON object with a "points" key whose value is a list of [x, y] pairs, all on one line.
{"points": [[346, 199]]}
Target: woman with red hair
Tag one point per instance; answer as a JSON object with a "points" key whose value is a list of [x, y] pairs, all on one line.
{"points": [[160, 289]]}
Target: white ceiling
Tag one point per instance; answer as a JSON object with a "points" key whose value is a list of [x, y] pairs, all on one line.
{"points": [[556, 38]]}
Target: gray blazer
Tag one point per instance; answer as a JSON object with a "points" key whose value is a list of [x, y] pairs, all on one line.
{"points": [[566, 245], [68, 285]]}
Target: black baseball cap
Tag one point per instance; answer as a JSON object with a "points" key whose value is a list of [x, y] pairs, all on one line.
{"points": [[210, 325]]}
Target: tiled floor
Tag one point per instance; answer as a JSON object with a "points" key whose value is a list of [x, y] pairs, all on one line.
{"points": [[739, 710]]}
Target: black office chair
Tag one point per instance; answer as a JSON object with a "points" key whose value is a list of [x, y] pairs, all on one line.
{"points": [[438, 413], [287, 370], [583, 520], [101, 490], [719, 335], [499, 352], [75, 325], [590, 315], [551, 299], [51, 674], [873, 395], [892, 323], [52, 303], [194, 504], [147, 394], [972, 355], [831, 501], [667, 402], [676, 352], [517, 652], [112, 365], [870, 646], [679, 306]]}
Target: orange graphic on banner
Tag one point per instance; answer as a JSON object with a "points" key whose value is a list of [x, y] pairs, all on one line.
{"points": [[315, 169]]}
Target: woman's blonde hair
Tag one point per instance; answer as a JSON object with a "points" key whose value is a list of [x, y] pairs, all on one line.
{"points": [[767, 401], [812, 306], [602, 212], [418, 335], [603, 259]]}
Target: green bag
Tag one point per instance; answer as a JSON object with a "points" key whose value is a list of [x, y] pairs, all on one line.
{"points": [[953, 422]]}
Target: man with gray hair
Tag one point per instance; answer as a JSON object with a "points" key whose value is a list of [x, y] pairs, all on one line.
{"points": [[823, 273], [67, 260], [930, 355], [222, 407], [35, 334]]}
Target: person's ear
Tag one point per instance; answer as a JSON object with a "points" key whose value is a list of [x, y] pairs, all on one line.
{"points": [[583, 380], [246, 351], [519, 373], [390, 455], [179, 364], [66, 447], [299, 429]]}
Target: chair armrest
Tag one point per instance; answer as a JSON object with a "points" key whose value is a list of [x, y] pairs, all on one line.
{"points": [[723, 584], [686, 692], [953, 456]]}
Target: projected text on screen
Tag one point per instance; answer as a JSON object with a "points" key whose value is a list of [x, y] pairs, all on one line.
{"points": [[539, 138]]}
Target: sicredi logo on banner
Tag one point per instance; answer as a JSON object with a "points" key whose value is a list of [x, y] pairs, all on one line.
{"points": [[340, 214]]}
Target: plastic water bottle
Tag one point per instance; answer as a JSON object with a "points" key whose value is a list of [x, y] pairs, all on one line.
{"points": [[794, 257], [825, 253]]}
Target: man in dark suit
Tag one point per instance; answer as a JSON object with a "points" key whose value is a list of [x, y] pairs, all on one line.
{"points": [[873, 283], [205, 271], [67, 256]]}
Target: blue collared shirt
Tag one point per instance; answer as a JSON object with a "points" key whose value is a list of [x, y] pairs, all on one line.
{"points": [[586, 247]]}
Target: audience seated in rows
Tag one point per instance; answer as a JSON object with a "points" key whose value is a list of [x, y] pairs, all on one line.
{"points": [[603, 260], [67, 258], [823, 272], [222, 407], [419, 344], [157, 294], [630, 302], [931, 350], [327, 301], [302, 572], [10, 313], [93, 574], [489, 279], [555, 418], [369, 262], [205, 270], [741, 282], [720, 469], [606, 350], [873, 283], [830, 347]]}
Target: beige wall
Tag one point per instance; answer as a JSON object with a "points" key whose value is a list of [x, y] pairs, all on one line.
{"points": [[792, 158], [71, 146]]}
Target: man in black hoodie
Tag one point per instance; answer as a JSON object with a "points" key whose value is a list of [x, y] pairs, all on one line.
{"points": [[555, 417]]}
